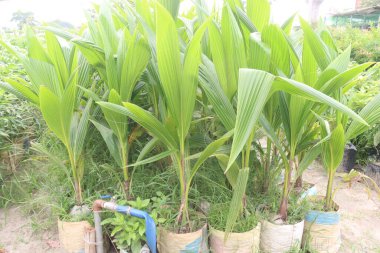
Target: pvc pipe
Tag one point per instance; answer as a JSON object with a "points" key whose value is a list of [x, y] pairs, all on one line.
{"points": [[98, 232]]}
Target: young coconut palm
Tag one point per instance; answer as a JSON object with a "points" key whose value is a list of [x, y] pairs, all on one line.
{"points": [[270, 51], [333, 147], [120, 56], [179, 83], [55, 74]]}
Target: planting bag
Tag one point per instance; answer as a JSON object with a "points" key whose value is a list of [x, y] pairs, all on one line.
{"points": [[322, 231], [280, 238], [71, 235], [195, 242], [247, 242]]}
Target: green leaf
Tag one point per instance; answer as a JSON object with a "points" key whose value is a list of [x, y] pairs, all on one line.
{"points": [[260, 54], [275, 38], [146, 120], [318, 48], [94, 54], [110, 140], [342, 79], [337, 66], [233, 171], [309, 157], [246, 20], [207, 152], [236, 204], [288, 24], [132, 64], [35, 49], [43, 73], [376, 139], [153, 158], [233, 43], [57, 57], [80, 130], [172, 6], [187, 90], [179, 81], [58, 112], [333, 149], [147, 149], [259, 12], [297, 88], [218, 57], [253, 92], [269, 131], [309, 66], [118, 122], [370, 113], [169, 64], [215, 94], [20, 90]]}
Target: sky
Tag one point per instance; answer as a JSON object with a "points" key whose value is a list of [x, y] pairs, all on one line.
{"points": [[72, 10], [46, 10]]}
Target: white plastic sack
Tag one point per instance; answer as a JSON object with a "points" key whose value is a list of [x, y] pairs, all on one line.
{"points": [[280, 238], [196, 242], [247, 242]]}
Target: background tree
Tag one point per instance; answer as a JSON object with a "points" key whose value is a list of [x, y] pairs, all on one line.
{"points": [[369, 3], [23, 18]]}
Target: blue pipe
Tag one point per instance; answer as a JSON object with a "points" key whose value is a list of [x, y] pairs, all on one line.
{"points": [[150, 226]]}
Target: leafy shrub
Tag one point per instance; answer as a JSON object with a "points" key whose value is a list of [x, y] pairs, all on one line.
{"points": [[365, 43], [17, 120], [9, 65], [365, 88], [17, 117], [365, 47], [128, 231]]}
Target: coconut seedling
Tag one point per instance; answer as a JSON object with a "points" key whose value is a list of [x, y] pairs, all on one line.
{"points": [[55, 74], [119, 53], [332, 156], [179, 78], [269, 49], [327, 75]]}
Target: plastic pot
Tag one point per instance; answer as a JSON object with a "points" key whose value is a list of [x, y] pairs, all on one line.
{"points": [[349, 158], [247, 242], [71, 235], [279, 238], [322, 231], [169, 242]]}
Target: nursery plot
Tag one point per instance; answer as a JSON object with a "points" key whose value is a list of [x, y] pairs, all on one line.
{"points": [[189, 125]]}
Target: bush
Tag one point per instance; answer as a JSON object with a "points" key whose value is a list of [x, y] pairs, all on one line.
{"points": [[18, 120], [365, 89], [365, 43], [365, 47]]}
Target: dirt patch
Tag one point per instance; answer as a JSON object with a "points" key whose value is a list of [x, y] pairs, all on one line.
{"points": [[359, 209], [17, 235]]}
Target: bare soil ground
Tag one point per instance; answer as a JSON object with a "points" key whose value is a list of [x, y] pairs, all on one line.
{"points": [[359, 208], [18, 236]]}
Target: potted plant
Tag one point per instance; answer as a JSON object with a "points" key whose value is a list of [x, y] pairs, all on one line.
{"points": [[122, 57], [325, 217], [54, 89], [128, 232], [178, 80], [278, 62], [245, 235]]}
